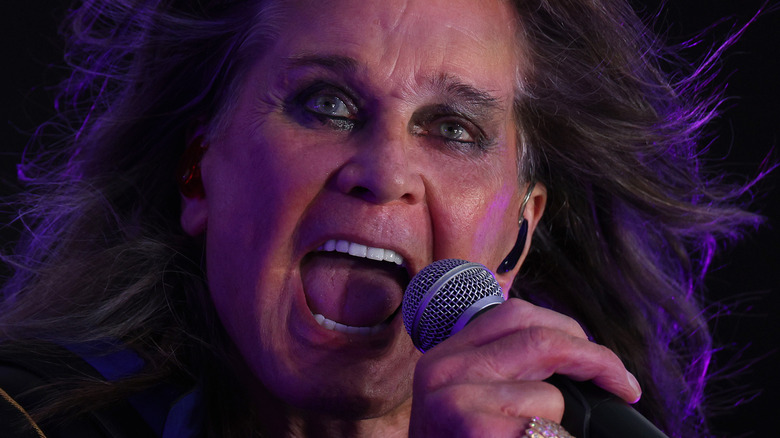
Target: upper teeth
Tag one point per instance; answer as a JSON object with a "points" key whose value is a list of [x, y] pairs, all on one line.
{"points": [[358, 250]]}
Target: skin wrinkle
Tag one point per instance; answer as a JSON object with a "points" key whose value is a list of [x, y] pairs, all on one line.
{"points": [[262, 298], [394, 29], [420, 22]]}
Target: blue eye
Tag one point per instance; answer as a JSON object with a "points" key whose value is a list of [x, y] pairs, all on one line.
{"points": [[328, 105], [456, 132]]}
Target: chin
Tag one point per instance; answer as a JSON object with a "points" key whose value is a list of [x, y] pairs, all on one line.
{"points": [[353, 392]]}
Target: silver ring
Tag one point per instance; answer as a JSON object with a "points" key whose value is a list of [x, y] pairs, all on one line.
{"points": [[541, 428]]}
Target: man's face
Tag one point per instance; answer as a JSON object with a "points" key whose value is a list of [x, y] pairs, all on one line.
{"points": [[381, 128]]}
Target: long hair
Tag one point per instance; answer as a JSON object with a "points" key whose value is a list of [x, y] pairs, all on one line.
{"points": [[633, 218], [104, 256], [630, 225]]}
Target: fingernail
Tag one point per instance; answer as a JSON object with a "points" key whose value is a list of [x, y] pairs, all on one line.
{"points": [[634, 385]]}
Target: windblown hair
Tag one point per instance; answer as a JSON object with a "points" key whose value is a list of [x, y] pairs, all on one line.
{"points": [[632, 219], [631, 223]]}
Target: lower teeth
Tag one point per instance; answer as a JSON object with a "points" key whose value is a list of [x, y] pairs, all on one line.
{"points": [[338, 327]]}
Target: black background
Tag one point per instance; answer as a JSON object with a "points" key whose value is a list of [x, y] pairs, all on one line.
{"points": [[745, 278]]}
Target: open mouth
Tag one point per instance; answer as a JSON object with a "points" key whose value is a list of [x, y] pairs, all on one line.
{"points": [[353, 288]]}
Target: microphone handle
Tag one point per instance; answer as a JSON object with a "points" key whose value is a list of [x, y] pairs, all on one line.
{"points": [[591, 412]]}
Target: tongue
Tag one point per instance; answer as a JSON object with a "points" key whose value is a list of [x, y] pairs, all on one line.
{"points": [[352, 291]]}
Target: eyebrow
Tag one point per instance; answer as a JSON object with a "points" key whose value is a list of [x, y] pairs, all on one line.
{"points": [[332, 62], [461, 92], [456, 92]]}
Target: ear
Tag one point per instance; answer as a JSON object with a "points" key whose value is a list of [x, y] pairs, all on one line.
{"points": [[194, 207], [532, 214], [194, 215], [533, 211]]}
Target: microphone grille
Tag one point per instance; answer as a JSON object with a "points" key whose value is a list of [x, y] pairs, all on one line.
{"points": [[439, 294]]}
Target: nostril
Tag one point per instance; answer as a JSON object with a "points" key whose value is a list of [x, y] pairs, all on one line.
{"points": [[410, 198], [360, 192]]}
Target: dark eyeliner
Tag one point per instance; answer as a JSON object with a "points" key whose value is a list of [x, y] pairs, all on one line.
{"points": [[445, 113], [296, 106]]}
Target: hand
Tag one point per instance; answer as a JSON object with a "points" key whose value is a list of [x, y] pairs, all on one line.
{"points": [[487, 380]]}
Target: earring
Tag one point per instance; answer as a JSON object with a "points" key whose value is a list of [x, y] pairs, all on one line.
{"points": [[190, 183], [511, 260]]}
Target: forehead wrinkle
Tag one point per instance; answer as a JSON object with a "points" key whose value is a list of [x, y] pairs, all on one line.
{"points": [[451, 86]]}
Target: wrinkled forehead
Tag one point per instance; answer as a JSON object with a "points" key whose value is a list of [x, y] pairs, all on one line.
{"points": [[484, 19], [474, 38]]}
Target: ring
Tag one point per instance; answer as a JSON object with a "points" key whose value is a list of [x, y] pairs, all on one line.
{"points": [[541, 428]]}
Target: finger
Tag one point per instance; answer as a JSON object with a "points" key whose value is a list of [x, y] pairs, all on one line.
{"points": [[513, 315], [550, 353], [534, 353]]}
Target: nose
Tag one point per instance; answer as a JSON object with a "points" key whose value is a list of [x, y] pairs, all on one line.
{"points": [[383, 170]]}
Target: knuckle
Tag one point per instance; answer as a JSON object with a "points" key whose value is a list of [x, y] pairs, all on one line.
{"points": [[548, 403], [447, 399], [519, 306], [608, 358], [575, 328], [523, 310], [556, 406], [541, 338]]}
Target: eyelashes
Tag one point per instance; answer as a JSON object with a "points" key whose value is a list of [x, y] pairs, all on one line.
{"points": [[323, 105], [449, 128], [329, 106]]}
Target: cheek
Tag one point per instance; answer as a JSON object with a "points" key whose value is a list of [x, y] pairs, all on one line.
{"points": [[476, 222], [263, 180], [258, 186], [497, 224], [479, 211]]}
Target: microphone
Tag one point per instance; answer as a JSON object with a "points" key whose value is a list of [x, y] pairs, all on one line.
{"points": [[447, 294]]}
